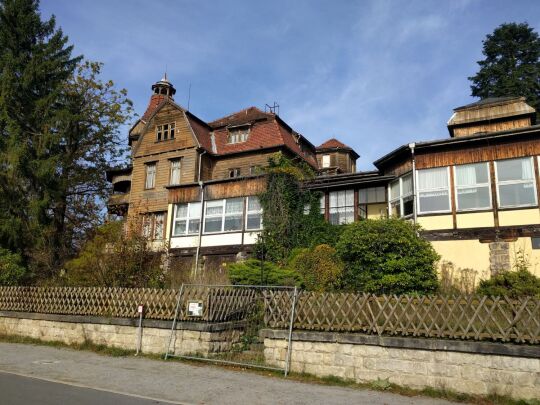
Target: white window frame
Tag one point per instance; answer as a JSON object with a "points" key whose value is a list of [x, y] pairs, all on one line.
{"points": [[238, 135], [155, 216], [325, 162], [223, 215], [172, 181], [456, 188], [533, 181], [188, 218], [400, 198], [338, 207], [447, 188], [150, 175], [252, 212]]}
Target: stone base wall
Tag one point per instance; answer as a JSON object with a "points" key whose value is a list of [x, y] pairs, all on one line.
{"points": [[469, 373], [120, 333]]}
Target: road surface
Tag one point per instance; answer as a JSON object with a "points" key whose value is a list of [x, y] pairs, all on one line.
{"points": [[49, 375]]}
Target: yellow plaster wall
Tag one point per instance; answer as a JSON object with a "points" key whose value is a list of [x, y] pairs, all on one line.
{"points": [[374, 211], [475, 220], [436, 222], [532, 255], [519, 217], [465, 254]]}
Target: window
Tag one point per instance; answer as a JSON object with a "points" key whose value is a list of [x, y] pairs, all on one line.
{"points": [[234, 172], [371, 195], [150, 181], [254, 214], [253, 170], [433, 190], [223, 215], [165, 131], [341, 207], [307, 207], [153, 225], [175, 172], [401, 196], [472, 187], [187, 218], [515, 183], [238, 135], [325, 161], [535, 242]]}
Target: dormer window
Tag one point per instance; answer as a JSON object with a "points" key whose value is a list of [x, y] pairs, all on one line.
{"points": [[238, 135], [165, 131]]}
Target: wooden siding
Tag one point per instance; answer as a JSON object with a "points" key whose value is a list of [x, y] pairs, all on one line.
{"points": [[340, 159], [456, 156], [492, 127], [184, 194], [183, 138], [243, 162], [239, 188], [400, 168]]}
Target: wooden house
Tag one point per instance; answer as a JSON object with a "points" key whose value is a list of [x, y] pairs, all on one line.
{"points": [[195, 183]]}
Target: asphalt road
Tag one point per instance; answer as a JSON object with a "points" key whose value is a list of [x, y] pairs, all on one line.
{"points": [[65, 376], [17, 390]]}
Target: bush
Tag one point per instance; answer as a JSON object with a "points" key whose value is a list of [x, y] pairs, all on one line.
{"points": [[513, 284], [255, 272], [12, 271], [387, 256], [113, 258], [320, 268]]}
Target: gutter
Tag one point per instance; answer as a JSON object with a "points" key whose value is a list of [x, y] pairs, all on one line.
{"points": [[201, 185], [411, 147]]}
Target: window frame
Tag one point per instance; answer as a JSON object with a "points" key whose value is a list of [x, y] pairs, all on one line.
{"points": [[337, 207], [223, 216], [187, 218], [400, 198], [447, 188], [505, 182], [172, 162], [323, 158], [238, 134], [488, 184], [147, 166], [149, 225], [170, 131], [252, 212], [234, 172]]}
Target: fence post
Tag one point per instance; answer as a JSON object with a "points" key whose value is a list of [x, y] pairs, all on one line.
{"points": [[291, 323], [173, 327]]}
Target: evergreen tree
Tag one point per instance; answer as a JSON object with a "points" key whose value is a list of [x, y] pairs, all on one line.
{"points": [[511, 66], [35, 62]]}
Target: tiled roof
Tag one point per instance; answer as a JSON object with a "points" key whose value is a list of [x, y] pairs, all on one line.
{"points": [[246, 115], [201, 130], [266, 130], [333, 143], [155, 101]]}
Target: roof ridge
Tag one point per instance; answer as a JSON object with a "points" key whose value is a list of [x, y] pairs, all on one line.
{"points": [[238, 112]]}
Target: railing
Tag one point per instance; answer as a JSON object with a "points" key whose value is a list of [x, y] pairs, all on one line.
{"points": [[459, 317]]}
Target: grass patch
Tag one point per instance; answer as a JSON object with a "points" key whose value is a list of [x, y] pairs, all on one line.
{"points": [[378, 385]]}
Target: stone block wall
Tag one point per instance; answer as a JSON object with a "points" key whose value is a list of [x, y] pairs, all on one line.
{"points": [[119, 333], [470, 373]]}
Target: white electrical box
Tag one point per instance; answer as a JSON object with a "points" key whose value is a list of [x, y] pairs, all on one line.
{"points": [[195, 308]]}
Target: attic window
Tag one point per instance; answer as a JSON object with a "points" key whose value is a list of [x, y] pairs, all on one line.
{"points": [[165, 131], [238, 135]]}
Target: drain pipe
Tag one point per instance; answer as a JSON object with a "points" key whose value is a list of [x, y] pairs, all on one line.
{"points": [[411, 147], [201, 185]]}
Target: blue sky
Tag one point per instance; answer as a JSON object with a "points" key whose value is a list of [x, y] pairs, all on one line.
{"points": [[374, 74]]}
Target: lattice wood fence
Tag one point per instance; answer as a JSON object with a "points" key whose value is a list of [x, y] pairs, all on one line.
{"points": [[460, 317]]}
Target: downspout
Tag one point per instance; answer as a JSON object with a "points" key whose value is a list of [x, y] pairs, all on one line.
{"points": [[411, 147], [201, 185]]}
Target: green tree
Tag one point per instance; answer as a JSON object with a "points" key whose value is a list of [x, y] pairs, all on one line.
{"points": [[257, 272], [387, 256], [320, 268], [35, 62], [12, 272], [513, 284], [511, 66]]}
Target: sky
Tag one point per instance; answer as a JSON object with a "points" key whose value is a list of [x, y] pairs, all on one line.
{"points": [[373, 74]]}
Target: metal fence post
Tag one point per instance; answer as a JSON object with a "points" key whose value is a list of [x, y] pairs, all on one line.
{"points": [[173, 327], [291, 323]]}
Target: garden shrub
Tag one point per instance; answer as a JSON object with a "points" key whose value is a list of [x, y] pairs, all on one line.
{"points": [[12, 271], [387, 256], [320, 268], [114, 258], [255, 272], [513, 284]]}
